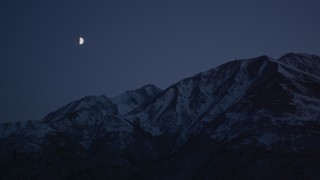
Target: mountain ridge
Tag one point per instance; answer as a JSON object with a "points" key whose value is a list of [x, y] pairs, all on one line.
{"points": [[260, 112]]}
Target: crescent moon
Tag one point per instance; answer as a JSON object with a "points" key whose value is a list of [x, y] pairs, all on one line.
{"points": [[81, 41]]}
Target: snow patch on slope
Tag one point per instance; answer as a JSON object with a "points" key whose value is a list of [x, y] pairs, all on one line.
{"points": [[303, 62], [130, 100]]}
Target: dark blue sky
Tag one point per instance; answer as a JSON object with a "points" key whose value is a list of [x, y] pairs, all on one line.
{"points": [[132, 43]]}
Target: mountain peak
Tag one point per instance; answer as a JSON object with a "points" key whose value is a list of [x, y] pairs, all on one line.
{"points": [[149, 86], [101, 98], [87, 102], [303, 62], [132, 99], [150, 89], [298, 55]]}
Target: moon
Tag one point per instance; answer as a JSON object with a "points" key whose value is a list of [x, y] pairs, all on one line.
{"points": [[81, 41]]}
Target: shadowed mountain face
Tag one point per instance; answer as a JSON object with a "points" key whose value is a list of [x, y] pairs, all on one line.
{"points": [[247, 119]]}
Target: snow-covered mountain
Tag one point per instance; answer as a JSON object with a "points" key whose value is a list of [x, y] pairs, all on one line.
{"points": [[246, 119]]}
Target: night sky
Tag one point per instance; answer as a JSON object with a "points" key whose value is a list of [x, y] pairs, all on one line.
{"points": [[132, 43]]}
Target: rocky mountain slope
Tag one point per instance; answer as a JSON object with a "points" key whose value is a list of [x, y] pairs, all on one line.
{"points": [[246, 119]]}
